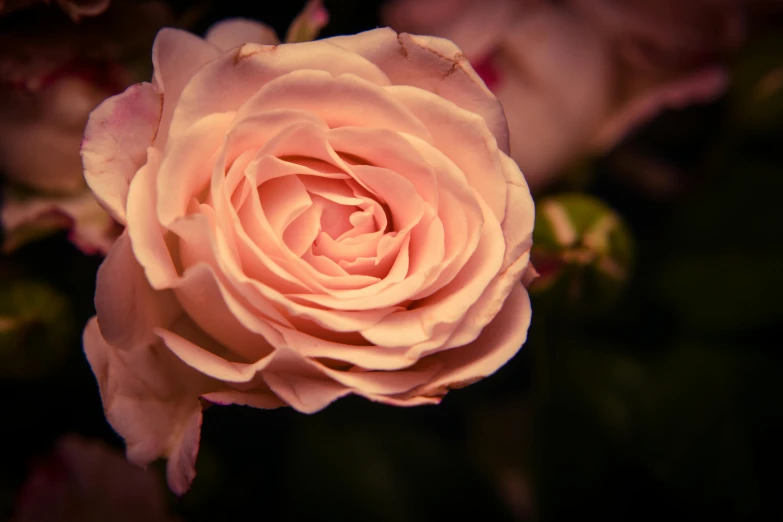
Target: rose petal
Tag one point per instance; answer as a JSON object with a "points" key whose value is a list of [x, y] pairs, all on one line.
{"points": [[115, 144], [433, 64], [498, 342], [239, 74], [465, 139], [343, 101], [151, 400], [233, 32], [144, 230], [176, 56], [127, 308]]}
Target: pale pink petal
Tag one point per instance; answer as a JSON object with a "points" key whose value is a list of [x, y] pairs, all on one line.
{"points": [[389, 150], [144, 229], [297, 381], [433, 64], [233, 32], [498, 342], [465, 139], [518, 222], [238, 75], [449, 304], [176, 56], [187, 166], [345, 100], [488, 305], [152, 400], [115, 144]]}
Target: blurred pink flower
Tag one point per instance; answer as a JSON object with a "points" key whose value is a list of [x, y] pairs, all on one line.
{"points": [[575, 77], [86, 481], [53, 73], [76, 9]]}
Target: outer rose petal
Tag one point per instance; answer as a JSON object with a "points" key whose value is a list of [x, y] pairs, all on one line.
{"points": [[234, 32], [115, 144], [433, 64], [498, 343], [152, 400], [127, 308], [176, 56]]}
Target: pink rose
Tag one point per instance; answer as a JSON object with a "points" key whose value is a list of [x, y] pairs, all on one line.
{"points": [[303, 222], [575, 77]]}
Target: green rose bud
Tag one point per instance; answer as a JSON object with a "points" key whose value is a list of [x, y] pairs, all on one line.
{"points": [[583, 252]]}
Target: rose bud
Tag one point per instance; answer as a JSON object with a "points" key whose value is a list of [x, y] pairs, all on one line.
{"points": [[303, 222], [583, 252]]}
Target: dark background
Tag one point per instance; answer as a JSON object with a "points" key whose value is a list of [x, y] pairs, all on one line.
{"points": [[666, 407]]}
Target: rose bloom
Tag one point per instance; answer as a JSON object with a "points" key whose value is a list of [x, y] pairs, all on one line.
{"points": [[303, 222], [575, 77]]}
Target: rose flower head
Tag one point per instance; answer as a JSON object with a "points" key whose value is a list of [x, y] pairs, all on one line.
{"points": [[302, 221]]}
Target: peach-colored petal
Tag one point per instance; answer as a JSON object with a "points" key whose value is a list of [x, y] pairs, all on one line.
{"points": [[237, 75], [176, 56], [449, 304], [187, 166], [465, 139], [488, 305], [345, 100], [115, 144], [433, 64], [520, 215], [233, 32], [127, 308], [498, 343], [151, 400], [144, 230]]}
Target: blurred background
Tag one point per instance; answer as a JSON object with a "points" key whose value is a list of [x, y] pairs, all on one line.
{"points": [[651, 384]]}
